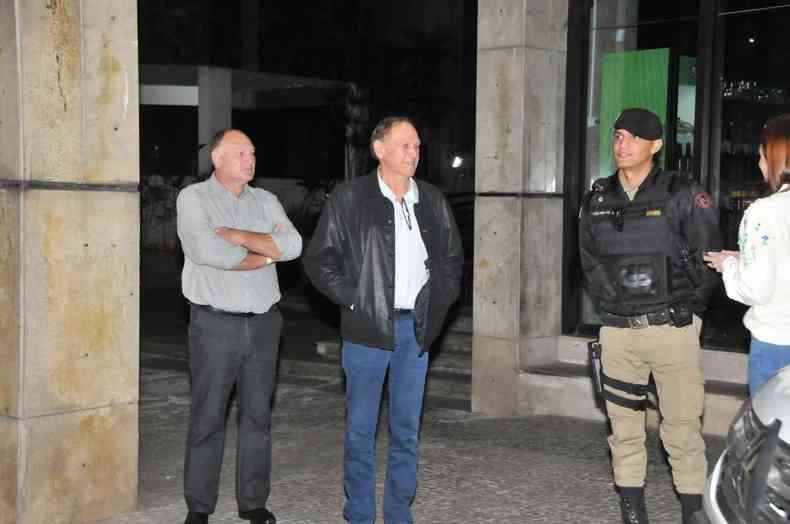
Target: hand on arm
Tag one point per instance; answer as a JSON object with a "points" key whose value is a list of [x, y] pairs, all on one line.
{"points": [[255, 243], [252, 261], [285, 236], [715, 259], [283, 243], [199, 241]]}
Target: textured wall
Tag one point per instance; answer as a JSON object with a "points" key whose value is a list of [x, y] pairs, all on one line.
{"points": [[83, 465], [9, 95], [9, 452], [79, 90], [81, 300], [69, 260], [9, 301]]}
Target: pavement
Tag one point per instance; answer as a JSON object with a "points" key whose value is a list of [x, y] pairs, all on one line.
{"points": [[474, 468]]}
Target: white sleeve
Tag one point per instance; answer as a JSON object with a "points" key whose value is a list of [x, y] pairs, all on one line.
{"points": [[751, 279]]}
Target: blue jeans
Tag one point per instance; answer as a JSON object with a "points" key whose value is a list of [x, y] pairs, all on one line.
{"points": [[365, 368], [764, 360]]}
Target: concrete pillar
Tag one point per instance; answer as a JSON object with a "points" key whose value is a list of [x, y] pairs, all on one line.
{"points": [[518, 208], [215, 105], [69, 258]]}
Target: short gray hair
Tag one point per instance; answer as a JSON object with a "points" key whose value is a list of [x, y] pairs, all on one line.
{"points": [[383, 128], [216, 140]]}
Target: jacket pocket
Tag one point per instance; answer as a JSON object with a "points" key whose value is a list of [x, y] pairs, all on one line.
{"points": [[423, 317]]}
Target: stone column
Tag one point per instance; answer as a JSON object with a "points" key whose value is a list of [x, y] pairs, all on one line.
{"points": [[215, 106], [518, 208], [69, 258]]}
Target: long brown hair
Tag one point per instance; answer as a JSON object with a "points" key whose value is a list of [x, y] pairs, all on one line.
{"points": [[775, 144]]}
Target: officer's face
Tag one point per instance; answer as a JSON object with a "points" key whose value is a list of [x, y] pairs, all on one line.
{"points": [[633, 152]]}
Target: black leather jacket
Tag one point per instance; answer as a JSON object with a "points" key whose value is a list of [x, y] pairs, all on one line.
{"points": [[644, 255], [351, 259]]}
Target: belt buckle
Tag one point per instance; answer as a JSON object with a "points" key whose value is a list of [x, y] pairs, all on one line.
{"points": [[639, 322]]}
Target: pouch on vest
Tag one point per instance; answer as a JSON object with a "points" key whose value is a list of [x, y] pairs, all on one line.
{"points": [[639, 278]]}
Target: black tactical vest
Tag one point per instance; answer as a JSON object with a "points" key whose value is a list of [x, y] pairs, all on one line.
{"points": [[639, 244]]}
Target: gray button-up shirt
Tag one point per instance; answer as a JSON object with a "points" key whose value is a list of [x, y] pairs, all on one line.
{"points": [[208, 259]]}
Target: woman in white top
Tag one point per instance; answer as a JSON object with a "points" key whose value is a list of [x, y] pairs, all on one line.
{"points": [[759, 274]]}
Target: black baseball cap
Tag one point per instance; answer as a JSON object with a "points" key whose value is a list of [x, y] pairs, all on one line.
{"points": [[640, 122]]}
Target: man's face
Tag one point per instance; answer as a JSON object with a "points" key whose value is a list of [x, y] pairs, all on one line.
{"points": [[234, 159], [399, 150], [632, 152]]}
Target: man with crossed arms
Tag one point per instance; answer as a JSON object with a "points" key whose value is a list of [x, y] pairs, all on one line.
{"points": [[232, 235]]}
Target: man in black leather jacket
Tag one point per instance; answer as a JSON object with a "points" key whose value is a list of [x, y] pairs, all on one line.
{"points": [[642, 234], [387, 251]]}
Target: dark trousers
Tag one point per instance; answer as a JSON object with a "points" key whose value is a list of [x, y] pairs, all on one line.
{"points": [[225, 350]]}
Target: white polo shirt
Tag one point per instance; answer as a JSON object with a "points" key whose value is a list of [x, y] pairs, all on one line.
{"points": [[410, 253]]}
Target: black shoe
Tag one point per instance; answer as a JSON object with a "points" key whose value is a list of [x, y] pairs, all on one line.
{"points": [[258, 516], [193, 517], [690, 504], [632, 506]]}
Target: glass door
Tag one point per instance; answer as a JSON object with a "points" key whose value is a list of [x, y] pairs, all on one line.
{"points": [[642, 54], [751, 60]]}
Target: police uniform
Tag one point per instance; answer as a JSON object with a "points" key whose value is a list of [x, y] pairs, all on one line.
{"points": [[642, 260]]}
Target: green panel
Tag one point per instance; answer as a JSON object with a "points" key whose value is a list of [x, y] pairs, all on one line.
{"points": [[630, 79], [687, 72]]}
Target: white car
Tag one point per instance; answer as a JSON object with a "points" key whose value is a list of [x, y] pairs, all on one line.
{"points": [[750, 483]]}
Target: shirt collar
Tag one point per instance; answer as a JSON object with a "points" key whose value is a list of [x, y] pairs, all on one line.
{"points": [[412, 195], [217, 187]]}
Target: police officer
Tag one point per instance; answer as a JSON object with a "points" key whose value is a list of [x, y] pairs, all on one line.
{"points": [[642, 234]]}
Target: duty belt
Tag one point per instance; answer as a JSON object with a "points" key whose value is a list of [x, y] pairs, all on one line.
{"points": [[656, 318]]}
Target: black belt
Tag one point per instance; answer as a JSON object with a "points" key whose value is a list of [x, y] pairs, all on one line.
{"points": [[657, 318], [403, 312], [218, 311]]}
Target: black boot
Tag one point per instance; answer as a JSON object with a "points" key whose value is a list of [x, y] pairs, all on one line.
{"points": [[690, 504], [196, 518], [632, 505], [258, 516]]}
